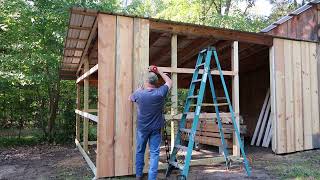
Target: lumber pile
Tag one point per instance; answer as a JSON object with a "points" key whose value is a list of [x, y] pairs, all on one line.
{"points": [[208, 133], [263, 131]]}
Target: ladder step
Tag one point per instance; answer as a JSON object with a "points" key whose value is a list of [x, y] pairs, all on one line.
{"points": [[190, 97], [199, 65], [208, 104], [185, 130], [181, 147], [175, 164], [198, 80]]}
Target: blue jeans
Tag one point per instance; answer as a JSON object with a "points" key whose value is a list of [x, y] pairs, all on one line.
{"points": [[142, 138]]}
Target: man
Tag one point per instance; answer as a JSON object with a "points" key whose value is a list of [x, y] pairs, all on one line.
{"points": [[150, 100]]}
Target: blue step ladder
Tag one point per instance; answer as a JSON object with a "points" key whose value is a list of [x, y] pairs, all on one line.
{"points": [[190, 133]]}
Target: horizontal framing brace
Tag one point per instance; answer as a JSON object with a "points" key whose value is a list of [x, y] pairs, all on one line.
{"points": [[202, 116], [88, 73], [90, 143], [191, 71], [87, 115], [86, 157]]}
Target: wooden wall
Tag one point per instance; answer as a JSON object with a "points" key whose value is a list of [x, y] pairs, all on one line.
{"points": [[122, 56], [294, 96], [304, 26]]}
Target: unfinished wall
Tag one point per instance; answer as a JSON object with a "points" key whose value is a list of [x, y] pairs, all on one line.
{"points": [[122, 56], [294, 96]]}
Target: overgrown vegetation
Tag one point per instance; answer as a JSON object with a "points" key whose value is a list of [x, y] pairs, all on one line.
{"points": [[32, 94]]}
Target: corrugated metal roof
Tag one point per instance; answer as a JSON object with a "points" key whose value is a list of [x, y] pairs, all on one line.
{"points": [[290, 15]]}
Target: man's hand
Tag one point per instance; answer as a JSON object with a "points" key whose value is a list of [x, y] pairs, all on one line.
{"points": [[154, 69]]}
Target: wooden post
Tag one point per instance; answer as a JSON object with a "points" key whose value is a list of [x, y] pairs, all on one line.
{"points": [[174, 90], [235, 93], [273, 98], [106, 95], [85, 106], [140, 66], [78, 101]]}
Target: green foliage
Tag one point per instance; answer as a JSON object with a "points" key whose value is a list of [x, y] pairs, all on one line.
{"points": [[14, 137], [31, 91], [205, 12]]}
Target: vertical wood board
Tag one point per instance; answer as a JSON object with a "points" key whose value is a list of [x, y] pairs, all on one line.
{"points": [[123, 120], [274, 119], [297, 93], [306, 95], [77, 115], [140, 64], [280, 96], [235, 94], [314, 96], [85, 106], [106, 95], [289, 96], [174, 90]]}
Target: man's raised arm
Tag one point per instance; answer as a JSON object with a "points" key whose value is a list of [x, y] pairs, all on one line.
{"points": [[164, 76]]}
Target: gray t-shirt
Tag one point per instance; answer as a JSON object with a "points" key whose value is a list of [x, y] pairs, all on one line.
{"points": [[150, 107]]}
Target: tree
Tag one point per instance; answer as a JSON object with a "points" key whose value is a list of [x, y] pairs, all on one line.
{"points": [[32, 34]]}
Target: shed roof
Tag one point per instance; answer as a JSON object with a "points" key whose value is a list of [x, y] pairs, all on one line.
{"points": [[290, 15], [82, 31]]}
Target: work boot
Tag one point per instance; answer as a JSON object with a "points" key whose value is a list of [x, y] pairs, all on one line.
{"points": [[139, 178]]}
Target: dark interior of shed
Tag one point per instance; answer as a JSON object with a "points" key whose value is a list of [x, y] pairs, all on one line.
{"points": [[254, 70]]}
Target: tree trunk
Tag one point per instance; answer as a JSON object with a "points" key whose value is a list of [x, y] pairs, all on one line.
{"points": [[228, 5], [20, 126], [53, 109]]}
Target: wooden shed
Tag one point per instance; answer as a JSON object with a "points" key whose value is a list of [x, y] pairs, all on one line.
{"points": [[111, 52]]}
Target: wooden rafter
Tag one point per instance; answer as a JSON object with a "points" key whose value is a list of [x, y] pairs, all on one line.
{"points": [[154, 38], [80, 28], [74, 49], [193, 49], [92, 35], [76, 39], [162, 52]]}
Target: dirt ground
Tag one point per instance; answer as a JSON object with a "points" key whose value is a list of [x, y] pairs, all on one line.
{"points": [[65, 162], [43, 162]]}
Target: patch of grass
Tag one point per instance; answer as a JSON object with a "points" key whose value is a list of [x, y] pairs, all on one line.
{"points": [[296, 170]]}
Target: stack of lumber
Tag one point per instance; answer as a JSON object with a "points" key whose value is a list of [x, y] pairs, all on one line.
{"points": [[208, 133], [263, 131]]}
